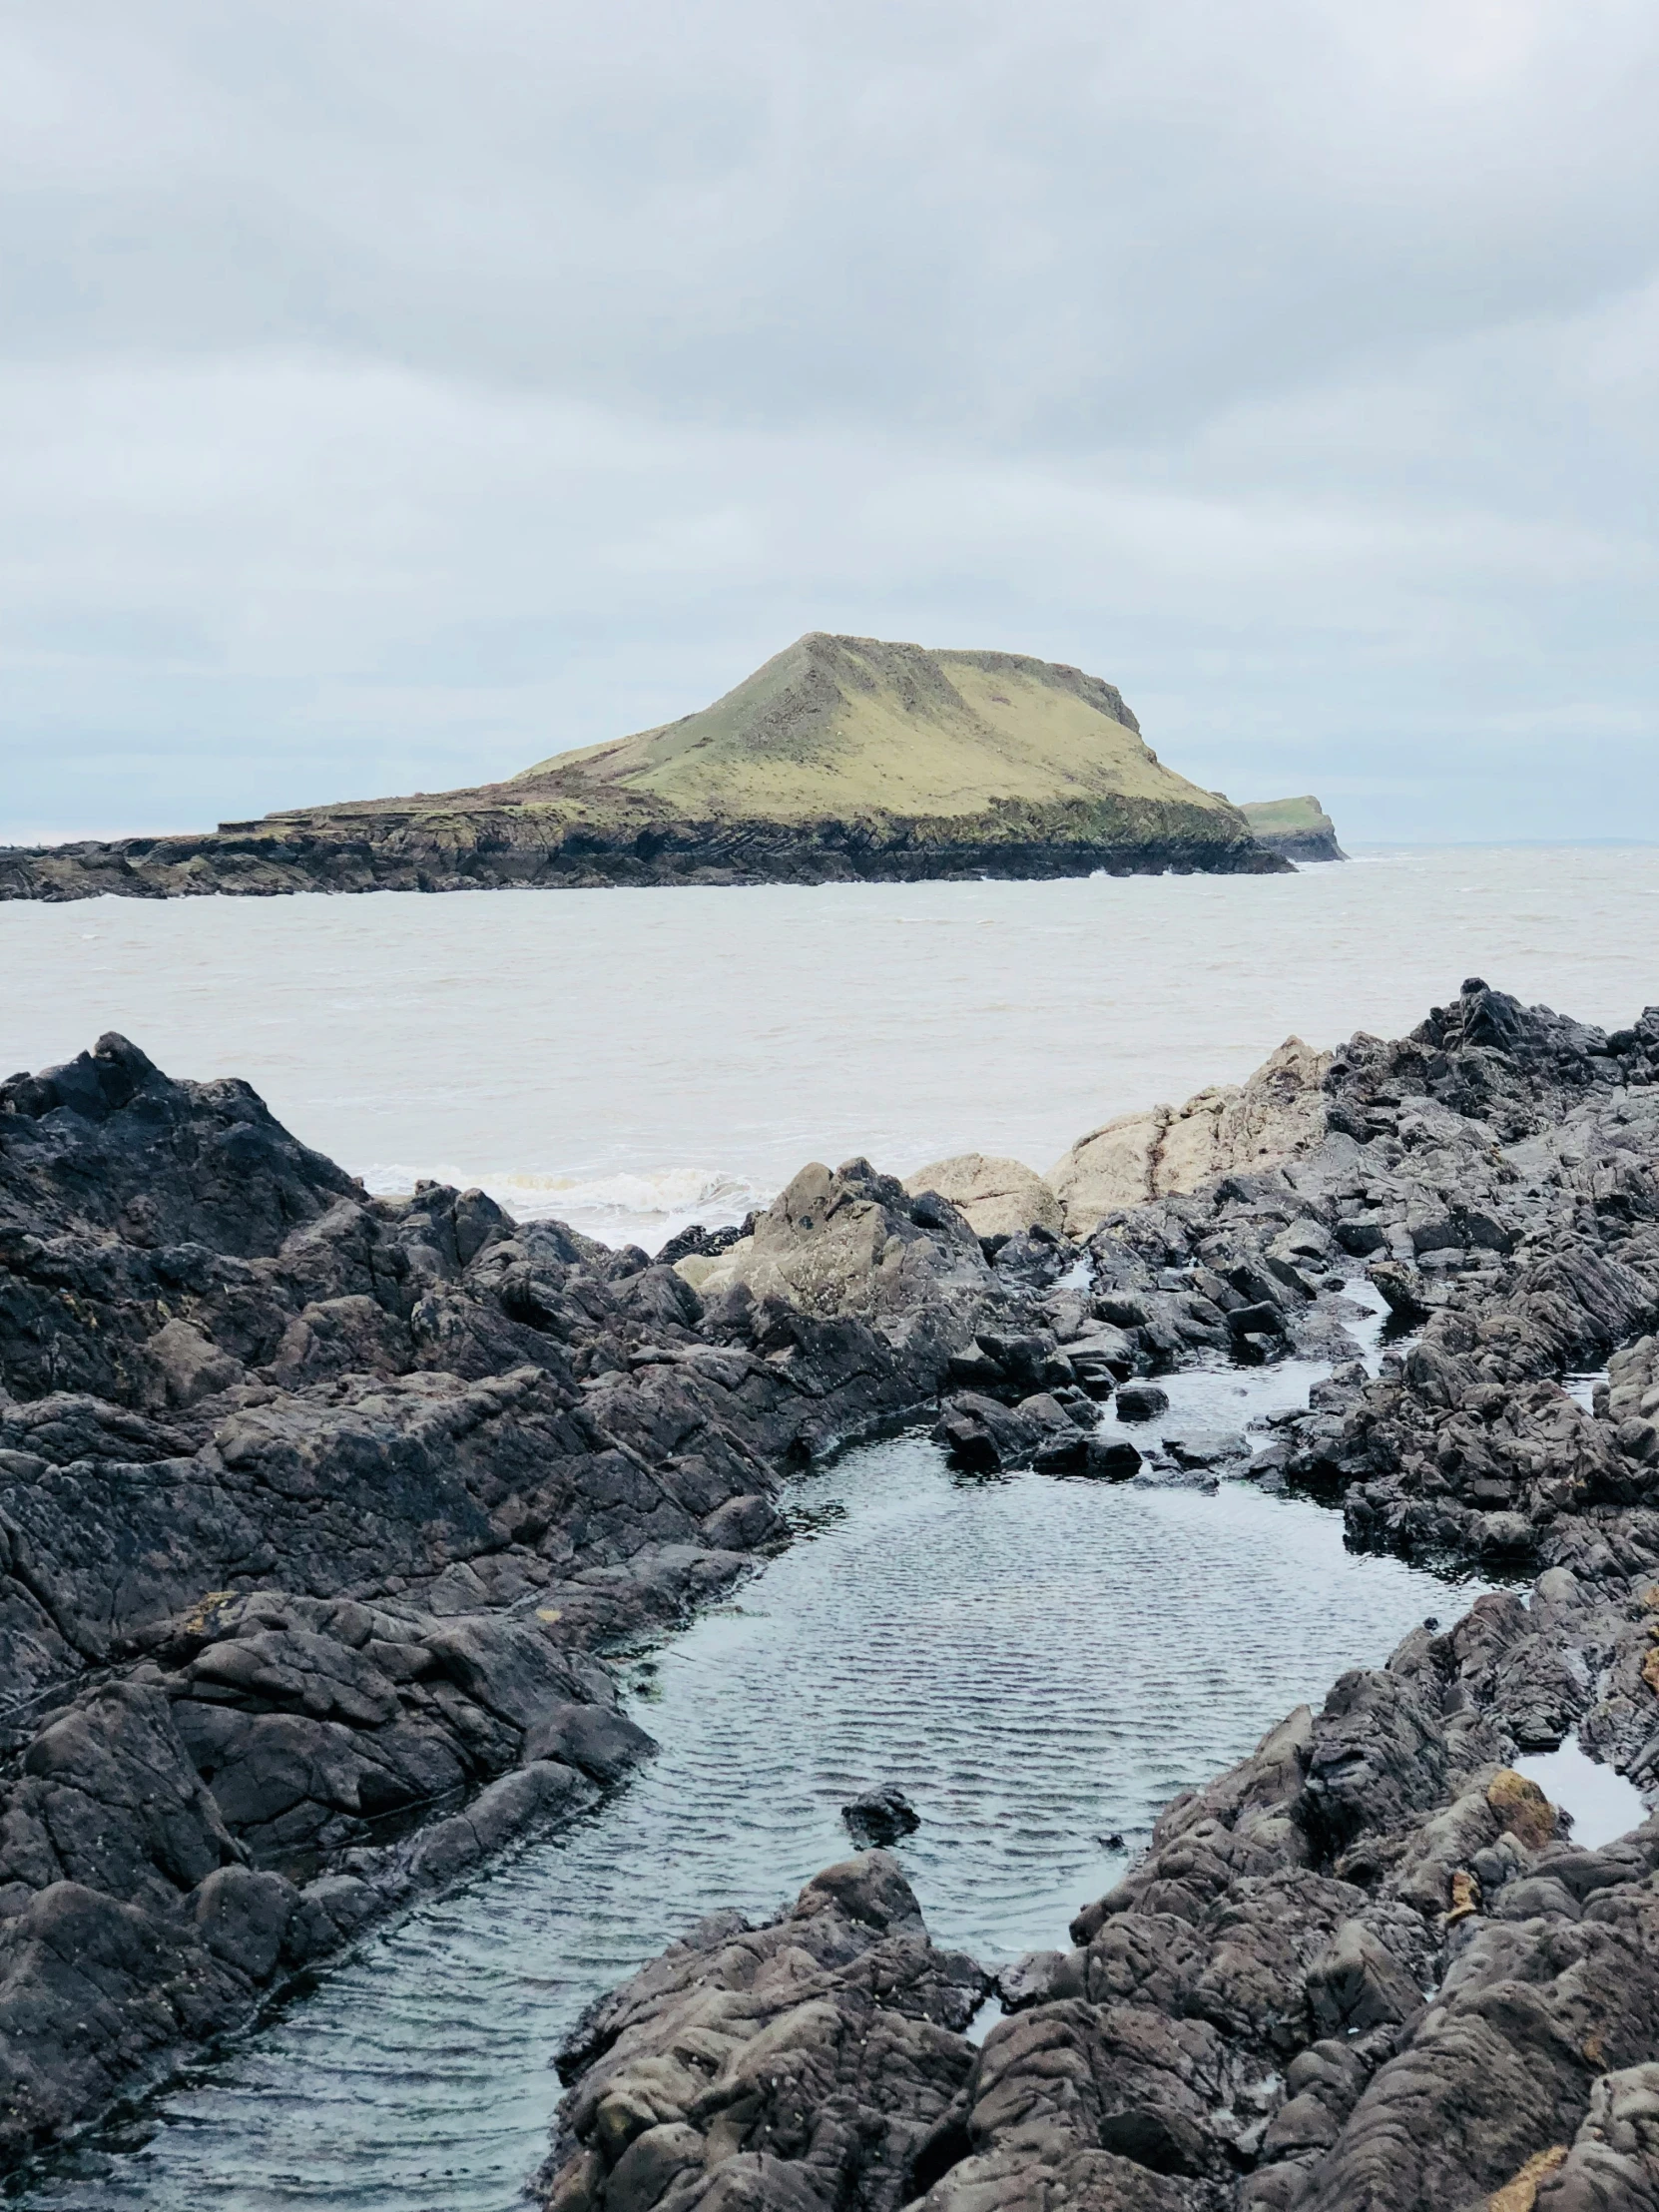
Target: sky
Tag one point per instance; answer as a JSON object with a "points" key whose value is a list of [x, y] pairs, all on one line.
{"points": [[393, 392]]}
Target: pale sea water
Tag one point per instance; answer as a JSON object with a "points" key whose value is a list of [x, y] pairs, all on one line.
{"points": [[633, 1060]]}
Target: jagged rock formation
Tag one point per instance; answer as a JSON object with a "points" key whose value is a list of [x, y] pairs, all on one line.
{"points": [[1368, 1970], [829, 2038], [840, 758], [1295, 829], [313, 1509], [1278, 1112], [852, 1241]]}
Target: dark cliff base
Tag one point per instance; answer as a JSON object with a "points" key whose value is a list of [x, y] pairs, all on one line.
{"points": [[1302, 845], [363, 852]]}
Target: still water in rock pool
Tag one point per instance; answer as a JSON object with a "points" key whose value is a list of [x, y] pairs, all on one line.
{"points": [[1039, 1664]]}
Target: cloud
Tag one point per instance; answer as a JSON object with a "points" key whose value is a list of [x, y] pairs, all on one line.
{"points": [[394, 391]]}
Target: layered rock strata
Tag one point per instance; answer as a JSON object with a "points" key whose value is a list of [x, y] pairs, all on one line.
{"points": [[1297, 830], [1369, 1967]]}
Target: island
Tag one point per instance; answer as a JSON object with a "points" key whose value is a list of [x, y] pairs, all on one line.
{"points": [[841, 758], [1295, 829]]}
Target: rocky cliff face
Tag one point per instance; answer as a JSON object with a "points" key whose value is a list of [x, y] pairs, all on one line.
{"points": [[1295, 828], [841, 758]]}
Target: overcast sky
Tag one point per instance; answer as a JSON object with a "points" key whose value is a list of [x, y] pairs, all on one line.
{"points": [[394, 391]]}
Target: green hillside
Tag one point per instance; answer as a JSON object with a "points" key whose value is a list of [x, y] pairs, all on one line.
{"points": [[1297, 829], [845, 727]]}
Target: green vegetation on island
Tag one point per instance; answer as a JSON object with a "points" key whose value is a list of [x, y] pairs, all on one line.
{"points": [[1295, 828]]}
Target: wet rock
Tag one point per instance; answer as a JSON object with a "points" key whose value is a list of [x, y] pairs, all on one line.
{"points": [[814, 2060], [1111, 1460], [881, 1817], [1141, 1402], [1206, 1447], [985, 1437], [312, 1505]]}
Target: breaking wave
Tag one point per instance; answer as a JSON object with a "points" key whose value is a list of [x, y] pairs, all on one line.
{"points": [[625, 1207]]}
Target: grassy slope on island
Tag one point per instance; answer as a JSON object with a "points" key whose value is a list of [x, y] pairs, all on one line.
{"points": [[837, 727], [1295, 829], [1287, 817]]}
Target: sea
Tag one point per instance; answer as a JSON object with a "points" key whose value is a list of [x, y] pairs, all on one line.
{"points": [[631, 1061]]}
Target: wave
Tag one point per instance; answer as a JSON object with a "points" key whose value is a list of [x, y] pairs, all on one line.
{"points": [[644, 1207]]}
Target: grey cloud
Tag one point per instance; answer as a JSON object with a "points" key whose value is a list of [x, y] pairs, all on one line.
{"points": [[393, 389]]}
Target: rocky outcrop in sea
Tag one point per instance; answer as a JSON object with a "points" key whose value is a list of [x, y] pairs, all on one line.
{"points": [[500, 843], [841, 760]]}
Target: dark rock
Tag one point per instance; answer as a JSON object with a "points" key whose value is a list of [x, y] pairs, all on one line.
{"points": [[829, 2054], [1111, 1460], [1141, 1402], [312, 1507], [984, 1436], [881, 1817]]}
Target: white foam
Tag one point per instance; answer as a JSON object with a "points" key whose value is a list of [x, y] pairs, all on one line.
{"points": [[644, 1208], [1603, 1804]]}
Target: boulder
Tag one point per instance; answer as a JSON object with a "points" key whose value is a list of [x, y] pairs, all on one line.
{"points": [[852, 1242], [996, 1197], [1274, 1115], [881, 1817]]}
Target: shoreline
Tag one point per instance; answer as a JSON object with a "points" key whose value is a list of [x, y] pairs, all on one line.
{"points": [[356, 1306], [340, 858]]}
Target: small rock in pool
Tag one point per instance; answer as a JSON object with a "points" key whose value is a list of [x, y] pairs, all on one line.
{"points": [[1141, 1402], [1206, 1447], [1111, 1460], [879, 1817], [1113, 1841]]}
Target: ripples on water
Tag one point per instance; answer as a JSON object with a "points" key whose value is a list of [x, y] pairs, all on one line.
{"points": [[1037, 1663]]}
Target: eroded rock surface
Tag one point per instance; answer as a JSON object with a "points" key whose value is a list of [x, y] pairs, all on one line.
{"points": [[1369, 1967], [808, 2062], [1278, 1113], [317, 1511]]}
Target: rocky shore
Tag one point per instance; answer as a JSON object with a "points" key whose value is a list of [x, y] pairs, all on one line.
{"points": [[1369, 1966], [319, 1514], [511, 843]]}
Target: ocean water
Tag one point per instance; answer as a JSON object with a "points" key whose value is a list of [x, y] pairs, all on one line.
{"points": [[634, 1060]]}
